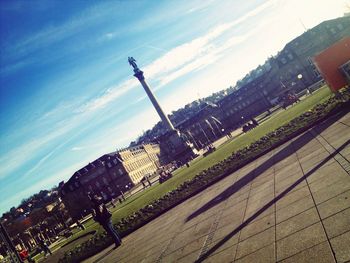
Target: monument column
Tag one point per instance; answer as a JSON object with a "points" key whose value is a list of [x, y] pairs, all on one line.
{"points": [[139, 75], [173, 145]]}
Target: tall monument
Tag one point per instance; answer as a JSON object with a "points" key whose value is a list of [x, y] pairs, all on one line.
{"points": [[174, 146]]}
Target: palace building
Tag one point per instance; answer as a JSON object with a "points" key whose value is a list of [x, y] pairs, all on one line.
{"points": [[109, 176]]}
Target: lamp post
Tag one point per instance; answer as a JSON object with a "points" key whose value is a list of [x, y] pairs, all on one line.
{"points": [[300, 77], [8, 243]]}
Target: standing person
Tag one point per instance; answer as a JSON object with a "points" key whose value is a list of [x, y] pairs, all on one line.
{"points": [[102, 215], [45, 248], [80, 225]]}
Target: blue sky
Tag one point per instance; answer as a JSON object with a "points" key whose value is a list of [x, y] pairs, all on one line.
{"points": [[67, 94]]}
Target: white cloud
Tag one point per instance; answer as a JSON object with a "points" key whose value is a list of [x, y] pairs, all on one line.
{"points": [[185, 53], [181, 60], [77, 148], [24, 153], [110, 95]]}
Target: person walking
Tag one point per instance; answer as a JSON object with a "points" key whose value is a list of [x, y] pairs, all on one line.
{"points": [[102, 216], [44, 247]]}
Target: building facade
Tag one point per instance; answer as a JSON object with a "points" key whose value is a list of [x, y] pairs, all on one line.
{"points": [[109, 176], [291, 70]]}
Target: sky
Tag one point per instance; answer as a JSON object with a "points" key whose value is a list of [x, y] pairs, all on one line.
{"points": [[67, 92]]}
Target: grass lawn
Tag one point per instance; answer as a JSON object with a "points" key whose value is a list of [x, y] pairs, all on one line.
{"points": [[280, 118]]}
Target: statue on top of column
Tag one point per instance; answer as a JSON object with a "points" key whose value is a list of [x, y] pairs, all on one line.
{"points": [[132, 63]]}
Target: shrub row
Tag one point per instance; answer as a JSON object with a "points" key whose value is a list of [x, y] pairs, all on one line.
{"points": [[209, 176]]}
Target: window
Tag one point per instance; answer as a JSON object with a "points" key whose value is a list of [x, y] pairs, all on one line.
{"points": [[333, 31], [316, 73], [340, 27], [105, 180], [290, 56], [309, 59], [120, 171], [109, 165], [283, 60]]}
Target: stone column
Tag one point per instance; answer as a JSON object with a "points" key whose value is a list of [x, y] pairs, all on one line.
{"points": [[139, 75], [163, 117]]}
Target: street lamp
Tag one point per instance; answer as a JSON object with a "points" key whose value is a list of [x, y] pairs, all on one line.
{"points": [[5, 238], [300, 77]]}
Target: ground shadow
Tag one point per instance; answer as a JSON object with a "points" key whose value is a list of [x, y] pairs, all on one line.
{"points": [[269, 204], [276, 158]]}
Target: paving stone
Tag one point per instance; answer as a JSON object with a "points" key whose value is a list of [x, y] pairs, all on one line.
{"points": [[292, 182], [300, 240], [315, 156], [258, 226], [224, 231], [297, 223], [257, 201], [288, 169], [327, 170], [193, 246], [148, 259], [333, 177], [260, 204], [341, 247], [255, 242], [337, 224], [235, 209], [234, 218], [334, 205], [294, 208], [321, 253], [331, 191], [188, 258], [263, 255], [291, 197], [203, 228], [264, 187], [174, 239], [310, 151], [346, 153], [262, 179], [223, 243], [172, 257], [226, 255], [180, 239], [345, 119]]}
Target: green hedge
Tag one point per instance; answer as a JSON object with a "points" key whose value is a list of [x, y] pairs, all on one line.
{"points": [[211, 175]]}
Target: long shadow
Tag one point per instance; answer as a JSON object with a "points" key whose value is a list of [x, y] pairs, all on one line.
{"points": [[276, 158], [273, 201]]}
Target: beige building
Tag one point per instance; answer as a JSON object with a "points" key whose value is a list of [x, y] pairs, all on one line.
{"points": [[140, 160], [109, 176]]}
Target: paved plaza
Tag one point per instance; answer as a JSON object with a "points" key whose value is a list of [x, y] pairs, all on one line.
{"points": [[290, 205]]}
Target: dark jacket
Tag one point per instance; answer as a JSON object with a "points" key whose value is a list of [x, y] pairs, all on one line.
{"points": [[101, 214]]}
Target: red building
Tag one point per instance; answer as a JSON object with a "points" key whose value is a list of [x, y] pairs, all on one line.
{"points": [[332, 63]]}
